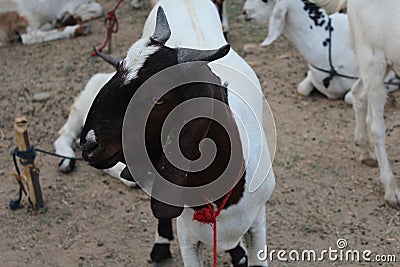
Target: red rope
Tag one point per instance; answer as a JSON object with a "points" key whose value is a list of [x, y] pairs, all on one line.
{"points": [[112, 26], [208, 215]]}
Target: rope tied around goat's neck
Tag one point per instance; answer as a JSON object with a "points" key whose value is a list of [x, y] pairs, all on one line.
{"points": [[112, 27], [208, 215]]}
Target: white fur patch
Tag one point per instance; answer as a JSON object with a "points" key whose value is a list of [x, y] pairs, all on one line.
{"points": [[137, 56], [91, 136], [160, 239]]}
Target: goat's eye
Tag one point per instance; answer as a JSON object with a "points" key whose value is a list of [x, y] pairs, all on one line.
{"points": [[157, 102], [265, 1]]}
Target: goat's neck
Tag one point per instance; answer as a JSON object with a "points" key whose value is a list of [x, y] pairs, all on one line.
{"points": [[308, 38]]}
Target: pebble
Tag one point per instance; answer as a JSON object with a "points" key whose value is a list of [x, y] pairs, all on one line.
{"points": [[250, 48], [42, 96]]}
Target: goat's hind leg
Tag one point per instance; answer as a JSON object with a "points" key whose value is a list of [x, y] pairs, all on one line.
{"points": [[361, 139], [373, 81], [305, 87]]}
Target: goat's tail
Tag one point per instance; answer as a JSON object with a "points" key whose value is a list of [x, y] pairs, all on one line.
{"points": [[332, 5]]}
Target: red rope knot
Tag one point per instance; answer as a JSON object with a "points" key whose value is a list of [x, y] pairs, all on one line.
{"points": [[206, 215], [112, 27], [112, 21]]}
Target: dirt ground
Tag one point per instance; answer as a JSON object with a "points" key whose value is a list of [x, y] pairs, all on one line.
{"points": [[322, 193]]}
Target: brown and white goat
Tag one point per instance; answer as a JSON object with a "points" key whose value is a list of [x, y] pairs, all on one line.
{"points": [[163, 46], [44, 20]]}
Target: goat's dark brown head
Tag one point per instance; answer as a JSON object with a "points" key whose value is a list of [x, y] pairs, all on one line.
{"points": [[101, 138]]}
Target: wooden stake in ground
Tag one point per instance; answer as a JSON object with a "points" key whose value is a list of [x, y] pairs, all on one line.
{"points": [[31, 172]]}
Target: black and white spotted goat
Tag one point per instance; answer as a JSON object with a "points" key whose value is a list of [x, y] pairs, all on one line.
{"points": [[162, 46], [307, 26]]}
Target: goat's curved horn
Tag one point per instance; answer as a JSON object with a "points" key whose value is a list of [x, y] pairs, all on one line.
{"points": [[162, 32], [190, 55], [108, 58]]}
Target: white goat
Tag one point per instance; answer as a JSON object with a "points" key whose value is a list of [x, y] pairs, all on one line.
{"points": [[137, 4], [376, 38], [220, 4], [306, 25], [44, 20], [71, 130]]}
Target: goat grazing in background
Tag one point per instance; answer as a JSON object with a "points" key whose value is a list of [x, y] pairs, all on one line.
{"points": [[39, 21], [161, 47], [375, 35], [308, 27]]}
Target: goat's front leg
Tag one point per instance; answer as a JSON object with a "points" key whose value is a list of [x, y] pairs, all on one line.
{"points": [[161, 249], [305, 87], [39, 36], [238, 256], [192, 250], [255, 239], [361, 139], [68, 134], [116, 172]]}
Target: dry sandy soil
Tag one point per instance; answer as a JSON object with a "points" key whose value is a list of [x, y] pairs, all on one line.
{"points": [[322, 193]]}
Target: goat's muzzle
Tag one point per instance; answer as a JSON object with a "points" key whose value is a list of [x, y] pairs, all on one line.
{"points": [[89, 149]]}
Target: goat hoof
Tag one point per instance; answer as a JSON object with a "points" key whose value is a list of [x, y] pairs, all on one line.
{"points": [[160, 252], [66, 165], [242, 263], [136, 5], [82, 30], [393, 200], [373, 163]]}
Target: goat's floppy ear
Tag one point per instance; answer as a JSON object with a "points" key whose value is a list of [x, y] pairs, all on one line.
{"points": [[191, 55], [189, 139], [276, 23], [162, 32]]}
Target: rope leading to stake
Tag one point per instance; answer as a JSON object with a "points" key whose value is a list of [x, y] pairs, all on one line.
{"points": [[27, 157], [208, 215], [16, 203], [112, 27]]}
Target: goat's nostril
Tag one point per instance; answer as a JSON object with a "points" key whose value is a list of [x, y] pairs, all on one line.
{"points": [[244, 12], [89, 148]]}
